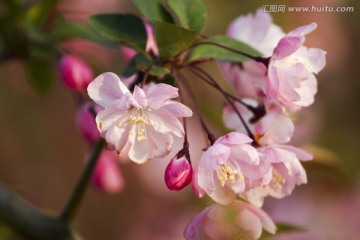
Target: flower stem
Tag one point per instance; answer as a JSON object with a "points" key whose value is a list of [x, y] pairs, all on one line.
{"points": [[73, 203], [146, 74], [179, 78], [249, 107], [204, 75]]}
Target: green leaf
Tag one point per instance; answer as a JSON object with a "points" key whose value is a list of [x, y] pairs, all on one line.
{"points": [[39, 75], [124, 28], [153, 10], [190, 13], [141, 63], [282, 228], [172, 39], [218, 53], [67, 30]]}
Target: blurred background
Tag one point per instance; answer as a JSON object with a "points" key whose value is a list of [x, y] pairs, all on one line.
{"points": [[42, 153]]}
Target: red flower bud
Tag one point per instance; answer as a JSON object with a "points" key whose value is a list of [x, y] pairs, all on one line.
{"points": [[107, 175], [178, 173], [85, 122], [75, 73]]}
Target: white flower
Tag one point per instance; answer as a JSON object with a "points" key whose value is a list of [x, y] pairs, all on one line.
{"points": [[140, 124]]}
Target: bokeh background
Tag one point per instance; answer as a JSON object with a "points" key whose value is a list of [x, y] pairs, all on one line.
{"points": [[42, 154]]}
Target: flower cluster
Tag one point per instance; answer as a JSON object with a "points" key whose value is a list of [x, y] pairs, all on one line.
{"points": [[251, 162], [236, 165]]}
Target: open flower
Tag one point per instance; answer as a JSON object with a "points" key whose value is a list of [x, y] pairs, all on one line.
{"points": [[258, 31], [226, 166], [238, 220], [285, 173], [140, 124], [273, 128], [291, 69]]}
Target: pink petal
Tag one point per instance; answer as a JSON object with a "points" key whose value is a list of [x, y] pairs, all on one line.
{"points": [[199, 192], [287, 46], [307, 91], [140, 97], [245, 153], [316, 57], [158, 94], [163, 142], [222, 195], [165, 122], [249, 222], [215, 155], [234, 138], [109, 117], [300, 153], [106, 88], [177, 109], [151, 43], [303, 30], [267, 223], [140, 151], [117, 136], [277, 129]]}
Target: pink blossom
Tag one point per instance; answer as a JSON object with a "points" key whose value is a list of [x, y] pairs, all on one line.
{"points": [[85, 122], [285, 173], [258, 31], [107, 175], [275, 127], [292, 67], [248, 78], [140, 124], [178, 172], [75, 73], [238, 220], [227, 165]]}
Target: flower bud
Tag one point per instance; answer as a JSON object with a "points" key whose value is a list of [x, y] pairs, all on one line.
{"points": [[85, 122], [107, 175], [75, 73], [178, 173]]}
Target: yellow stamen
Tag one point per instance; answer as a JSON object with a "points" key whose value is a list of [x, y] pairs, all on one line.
{"points": [[226, 172]]}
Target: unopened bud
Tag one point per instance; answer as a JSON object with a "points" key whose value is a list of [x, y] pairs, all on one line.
{"points": [[75, 73], [107, 176], [85, 121], [178, 173]]}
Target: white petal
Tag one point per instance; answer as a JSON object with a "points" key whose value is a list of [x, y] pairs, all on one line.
{"points": [[158, 94], [106, 88], [109, 117], [177, 109], [163, 142], [165, 122], [141, 151]]}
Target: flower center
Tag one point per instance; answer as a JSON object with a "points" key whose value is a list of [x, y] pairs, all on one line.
{"points": [[225, 172], [139, 119], [278, 180]]}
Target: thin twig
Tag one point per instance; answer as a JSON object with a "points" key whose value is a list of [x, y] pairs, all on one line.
{"points": [[146, 74], [202, 74], [73, 203], [179, 78]]}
